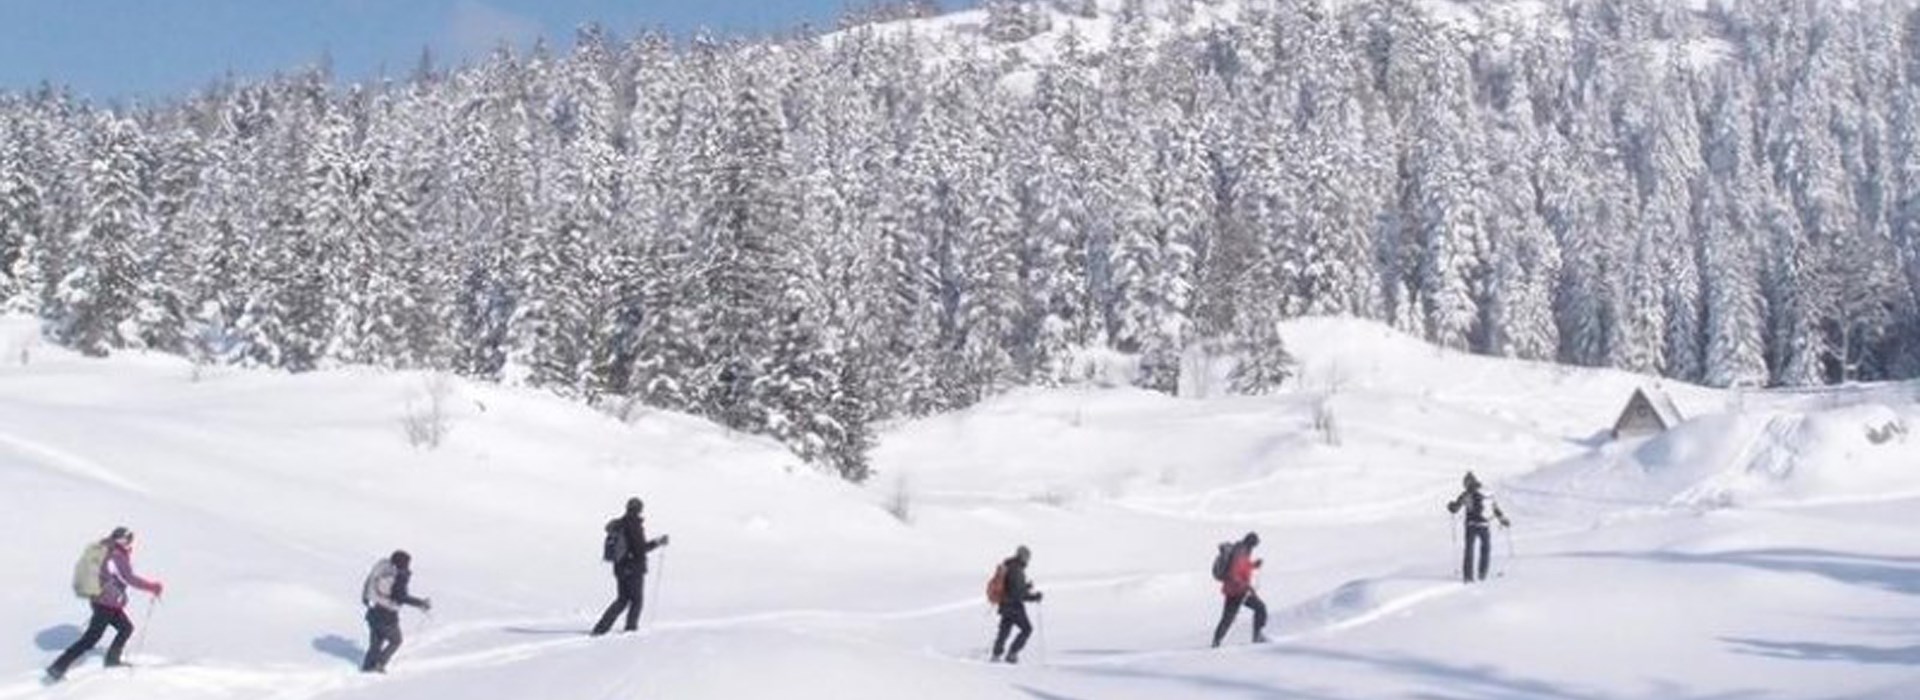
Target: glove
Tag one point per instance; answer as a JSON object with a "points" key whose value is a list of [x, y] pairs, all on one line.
{"points": [[158, 588], [426, 604], [663, 540], [1036, 596], [1453, 507], [1506, 523], [1258, 562]]}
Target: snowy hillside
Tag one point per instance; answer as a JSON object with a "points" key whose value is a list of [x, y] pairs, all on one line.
{"points": [[1038, 32], [1761, 549]]}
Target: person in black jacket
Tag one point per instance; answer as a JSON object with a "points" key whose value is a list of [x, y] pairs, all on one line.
{"points": [[628, 548], [1016, 592], [383, 594], [1476, 505]]}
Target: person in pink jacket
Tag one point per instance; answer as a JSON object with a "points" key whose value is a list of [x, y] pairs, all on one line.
{"points": [[1238, 590], [109, 606]]}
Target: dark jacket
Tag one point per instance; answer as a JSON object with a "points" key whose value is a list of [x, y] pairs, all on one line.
{"points": [[1477, 504], [635, 529], [1019, 591]]}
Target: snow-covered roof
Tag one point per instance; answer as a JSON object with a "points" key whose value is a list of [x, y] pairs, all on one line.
{"points": [[1648, 401]]}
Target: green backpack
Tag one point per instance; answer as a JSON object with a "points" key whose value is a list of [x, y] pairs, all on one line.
{"points": [[86, 572]]}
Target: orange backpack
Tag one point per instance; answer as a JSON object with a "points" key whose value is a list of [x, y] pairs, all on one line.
{"points": [[997, 586]]}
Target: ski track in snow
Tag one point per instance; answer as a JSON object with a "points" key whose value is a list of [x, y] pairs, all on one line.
{"points": [[66, 463], [281, 682], [1322, 614]]}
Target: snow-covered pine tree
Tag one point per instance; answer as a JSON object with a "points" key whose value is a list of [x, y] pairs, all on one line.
{"points": [[750, 209], [98, 297], [1448, 175], [1735, 342], [22, 231], [172, 181]]}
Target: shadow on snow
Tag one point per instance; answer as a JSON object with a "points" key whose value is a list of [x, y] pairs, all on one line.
{"points": [[1892, 574]]}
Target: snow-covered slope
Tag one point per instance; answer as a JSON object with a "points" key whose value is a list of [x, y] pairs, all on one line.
{"points": [[1761, 549]]}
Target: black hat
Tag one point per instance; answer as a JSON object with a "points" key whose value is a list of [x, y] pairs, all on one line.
{"points": [[1470, 481], [1023, 554], [401, 558], [1251, 540], [120, 533], [634, 505]]}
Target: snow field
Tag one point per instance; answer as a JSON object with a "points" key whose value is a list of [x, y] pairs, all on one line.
{"points": [[1763, 549]]}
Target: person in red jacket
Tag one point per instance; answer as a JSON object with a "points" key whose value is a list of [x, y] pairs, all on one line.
{"points": [[109, 606], [1238, 590]]}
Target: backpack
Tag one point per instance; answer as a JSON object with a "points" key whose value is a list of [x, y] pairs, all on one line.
{"points": [[86, 572], [997, 586], [379, 584], [1223, 562], [615, 547]]}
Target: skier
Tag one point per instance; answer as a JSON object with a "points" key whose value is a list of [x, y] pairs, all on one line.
{"points": [[1237, 588], [626, 545], [102, 577], [1011, 591], [1476, 504], [383, 594]]}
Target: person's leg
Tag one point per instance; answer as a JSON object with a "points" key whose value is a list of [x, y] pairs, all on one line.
{"points": [[96, 626], [637, 597], [1000, 640], [122, 630], [376, 638], [620, 602], [390, 623], [1259, 617], [1019, 641], [1486, 551], [1227, 612]]}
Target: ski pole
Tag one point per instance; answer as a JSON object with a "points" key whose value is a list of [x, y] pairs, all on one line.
{"points": [[1040, 613], [1510, 555], [659, 578], [146, 623]]}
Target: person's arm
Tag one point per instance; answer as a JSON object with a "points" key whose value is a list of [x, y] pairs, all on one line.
{"points": [[123, 567], [401, 596], [1453, 506], [637, 539], [1497, 515]]}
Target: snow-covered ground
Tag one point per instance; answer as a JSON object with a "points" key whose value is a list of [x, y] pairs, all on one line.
{"points": [[1763, 549]]}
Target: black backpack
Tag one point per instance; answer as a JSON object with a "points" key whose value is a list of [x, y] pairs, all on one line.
{"points": [[615, 547], [1223, 561]]}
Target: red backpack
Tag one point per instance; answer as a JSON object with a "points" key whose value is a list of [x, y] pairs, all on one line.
{"points": [[997, 586]]}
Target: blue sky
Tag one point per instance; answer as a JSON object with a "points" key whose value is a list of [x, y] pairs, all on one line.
{"points": [[119, 49]]}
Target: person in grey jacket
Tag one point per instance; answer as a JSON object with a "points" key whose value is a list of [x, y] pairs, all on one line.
{"points": [[385, 592], [1476, 504]]}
